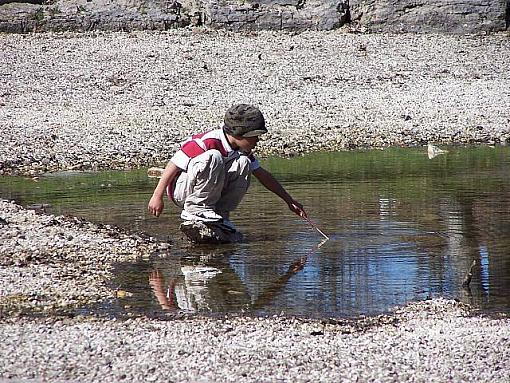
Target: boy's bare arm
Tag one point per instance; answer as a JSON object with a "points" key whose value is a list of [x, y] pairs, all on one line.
{"points": [[156, 204], [272, 184]]}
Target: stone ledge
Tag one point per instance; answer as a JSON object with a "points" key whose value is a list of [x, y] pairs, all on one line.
{"points": [[83, 15], [450, 16]]}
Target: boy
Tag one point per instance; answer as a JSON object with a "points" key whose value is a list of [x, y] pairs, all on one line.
{"points": [[210, 174]]}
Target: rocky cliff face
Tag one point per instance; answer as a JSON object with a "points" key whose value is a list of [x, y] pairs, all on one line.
{"points": [[86, 15], [276, 14], [454, 16]]}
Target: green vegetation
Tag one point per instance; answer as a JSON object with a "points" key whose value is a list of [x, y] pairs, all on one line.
{"points": [[39, 14], [404, 172], [53, 11], [383, 164]]}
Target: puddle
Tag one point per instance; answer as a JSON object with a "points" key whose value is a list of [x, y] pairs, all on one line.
{"points": [[402, 227]]}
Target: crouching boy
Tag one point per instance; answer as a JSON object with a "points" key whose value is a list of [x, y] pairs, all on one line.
{"points": [[209, 175]]}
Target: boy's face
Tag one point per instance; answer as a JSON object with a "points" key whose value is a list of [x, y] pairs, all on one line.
{"points": [[247, 144]]}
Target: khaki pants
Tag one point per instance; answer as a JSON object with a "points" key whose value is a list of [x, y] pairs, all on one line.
{"points": [[213, 186]]}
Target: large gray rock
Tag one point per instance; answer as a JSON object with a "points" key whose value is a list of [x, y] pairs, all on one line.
{"points": [[454, 16], [85, 15], [276, 14]]}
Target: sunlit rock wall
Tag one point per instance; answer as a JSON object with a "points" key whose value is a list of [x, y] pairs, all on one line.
{"points": [[453, 16], [85, 15], [276, 14]]}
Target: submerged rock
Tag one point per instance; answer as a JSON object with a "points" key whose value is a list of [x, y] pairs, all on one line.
{"points": [[155, 172]]}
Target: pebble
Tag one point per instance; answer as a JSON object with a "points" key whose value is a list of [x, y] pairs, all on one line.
{"points": [[122, 100], [97, 101], [57, 264], [431, 341]]}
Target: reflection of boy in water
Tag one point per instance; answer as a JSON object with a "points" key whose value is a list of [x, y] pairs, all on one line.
{"points": [[207, 289], [199, 288], [210, 174], [165, 299]]}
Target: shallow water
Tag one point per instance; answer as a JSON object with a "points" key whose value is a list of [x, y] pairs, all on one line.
{"points": [[402, 227]]}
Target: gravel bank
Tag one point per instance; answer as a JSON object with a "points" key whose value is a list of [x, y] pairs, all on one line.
{"points": [[54, 264], [117, 100], [433, 341]]}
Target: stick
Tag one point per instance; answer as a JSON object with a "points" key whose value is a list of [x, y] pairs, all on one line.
{"points": [[316, 228]]}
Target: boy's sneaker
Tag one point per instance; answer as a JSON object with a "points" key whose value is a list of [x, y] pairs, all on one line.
{"points": [[209, 232], [203, 216], [226, 224]]}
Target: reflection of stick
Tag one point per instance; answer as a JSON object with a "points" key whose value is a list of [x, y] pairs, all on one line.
{"points": [[467, 278], [316, 228], [322, 242]]}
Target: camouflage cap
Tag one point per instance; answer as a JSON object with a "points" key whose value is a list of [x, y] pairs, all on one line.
{"points": [[244, 120]]}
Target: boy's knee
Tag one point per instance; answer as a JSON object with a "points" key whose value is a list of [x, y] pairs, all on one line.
{"points": [[240, 169], [214, 157], [210, 160], [244, 164]]}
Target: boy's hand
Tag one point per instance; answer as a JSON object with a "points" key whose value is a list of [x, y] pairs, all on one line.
{"points": [[156, 205], [297, 208]]}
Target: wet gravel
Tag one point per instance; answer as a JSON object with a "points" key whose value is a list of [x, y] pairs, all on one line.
{"points": [[117, 100], [51, 264]]}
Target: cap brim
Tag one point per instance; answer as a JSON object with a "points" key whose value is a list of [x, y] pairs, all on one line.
{"points": [[254, 133]]}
